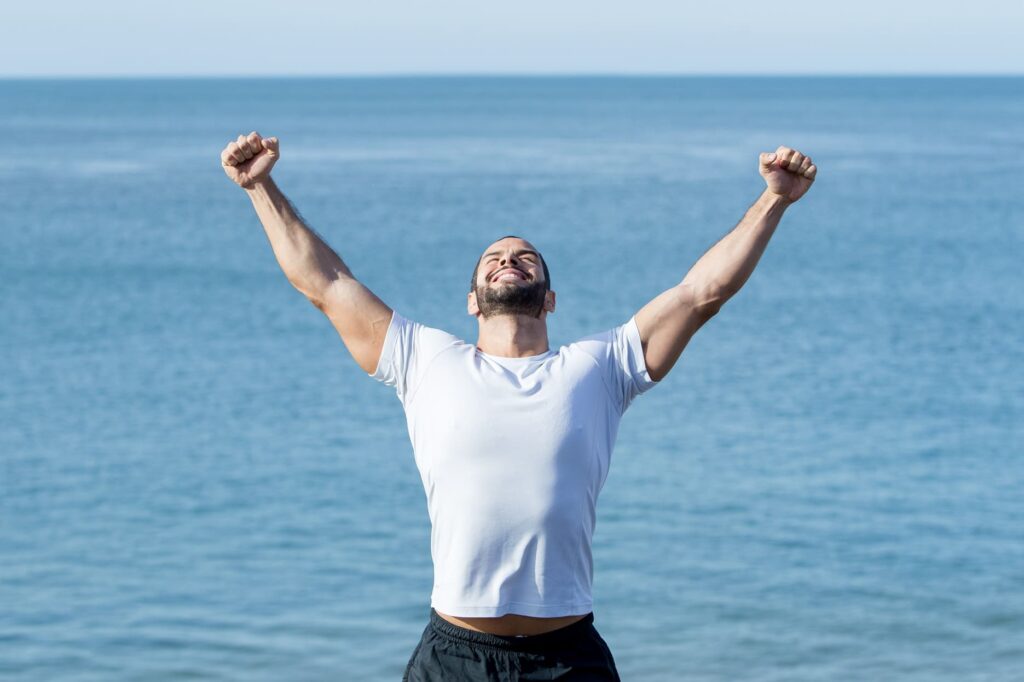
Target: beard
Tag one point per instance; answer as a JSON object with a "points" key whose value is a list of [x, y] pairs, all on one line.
{"points": [[511, 299]]}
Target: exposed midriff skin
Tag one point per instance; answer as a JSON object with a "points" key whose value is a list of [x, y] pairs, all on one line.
{"points": [[512, 624]]}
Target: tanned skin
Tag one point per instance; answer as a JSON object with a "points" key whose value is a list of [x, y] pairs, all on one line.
{"points": [[666, 323]]}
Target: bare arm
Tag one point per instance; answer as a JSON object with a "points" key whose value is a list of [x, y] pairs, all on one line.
{"points": [[308, 262], [668, 322]]}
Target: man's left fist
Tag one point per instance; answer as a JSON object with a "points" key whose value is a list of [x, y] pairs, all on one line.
{"points": [[787, 172]]}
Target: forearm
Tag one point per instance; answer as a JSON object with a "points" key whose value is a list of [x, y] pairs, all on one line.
{"points": [[726, 266], [308, 263]]}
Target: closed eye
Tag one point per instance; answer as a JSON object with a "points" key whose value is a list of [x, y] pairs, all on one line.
{"points": [[488, 257]]}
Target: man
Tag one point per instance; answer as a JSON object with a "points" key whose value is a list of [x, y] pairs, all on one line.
{"points": [[512, 439]]}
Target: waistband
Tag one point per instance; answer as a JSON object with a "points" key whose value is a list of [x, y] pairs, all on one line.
{"points": [[528, 643]]}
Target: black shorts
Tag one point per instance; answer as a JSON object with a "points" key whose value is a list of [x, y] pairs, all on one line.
{"points": [[450, 653]]}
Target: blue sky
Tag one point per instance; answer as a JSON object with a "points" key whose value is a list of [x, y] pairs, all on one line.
{"points": [[189, 37]]}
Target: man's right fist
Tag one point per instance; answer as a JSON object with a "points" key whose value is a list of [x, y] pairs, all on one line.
{"points": [[248, 160]]}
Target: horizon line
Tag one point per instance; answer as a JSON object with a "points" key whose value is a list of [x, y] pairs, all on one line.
{"points": [[511, 74]]}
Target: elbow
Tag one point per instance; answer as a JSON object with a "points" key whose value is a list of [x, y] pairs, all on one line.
{"points": [[316, 295], [705, 298], [709, 300], [709, 309]]}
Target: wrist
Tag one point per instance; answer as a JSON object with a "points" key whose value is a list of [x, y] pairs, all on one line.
{"points": [[776, 201], [261, 186]]}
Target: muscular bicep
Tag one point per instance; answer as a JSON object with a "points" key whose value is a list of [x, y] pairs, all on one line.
{"points": [[667, 324], [360, 317]]}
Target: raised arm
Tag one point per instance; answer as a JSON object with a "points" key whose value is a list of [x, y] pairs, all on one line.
{"points": [[667, 323], [309, 264]]}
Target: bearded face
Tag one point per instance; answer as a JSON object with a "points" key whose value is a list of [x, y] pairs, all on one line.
{"points": [[507, 297], [511, 278]]}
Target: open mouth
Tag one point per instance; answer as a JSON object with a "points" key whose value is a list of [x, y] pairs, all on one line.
{"points": [[509, 275]]}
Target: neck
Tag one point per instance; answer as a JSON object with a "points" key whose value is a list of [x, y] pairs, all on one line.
{"points": [[513, 336]]}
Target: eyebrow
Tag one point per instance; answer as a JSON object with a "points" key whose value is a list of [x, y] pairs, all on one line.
{"points": [[517, 253]]}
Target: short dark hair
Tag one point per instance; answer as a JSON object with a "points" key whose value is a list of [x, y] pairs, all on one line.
{"points": [[543, 264]]}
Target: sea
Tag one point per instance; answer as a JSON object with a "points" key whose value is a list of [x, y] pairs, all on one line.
{"points": [[197, 482]]}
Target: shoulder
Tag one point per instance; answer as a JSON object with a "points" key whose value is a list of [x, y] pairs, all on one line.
{"points": [[604, 344], [618, 353], [411, 343], [420, 343], [404, 326]]}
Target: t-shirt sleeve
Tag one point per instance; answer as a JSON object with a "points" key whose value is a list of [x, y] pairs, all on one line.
{"points": [[409, 347], [620, 355]]}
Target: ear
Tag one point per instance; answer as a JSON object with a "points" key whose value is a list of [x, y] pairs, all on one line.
{"points": [[549, 301], [471, 307]]}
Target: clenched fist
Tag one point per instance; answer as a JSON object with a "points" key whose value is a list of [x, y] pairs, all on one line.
{"points": [[248, 160], [788, 172]]}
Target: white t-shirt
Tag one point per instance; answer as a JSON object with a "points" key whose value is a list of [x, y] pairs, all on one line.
{"points": [[512, 453]]}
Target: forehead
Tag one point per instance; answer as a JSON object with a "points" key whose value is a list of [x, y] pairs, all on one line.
{"points": [[509, 244]]}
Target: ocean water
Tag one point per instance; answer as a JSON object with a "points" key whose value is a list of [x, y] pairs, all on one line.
{"points": [[197, 482]]}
